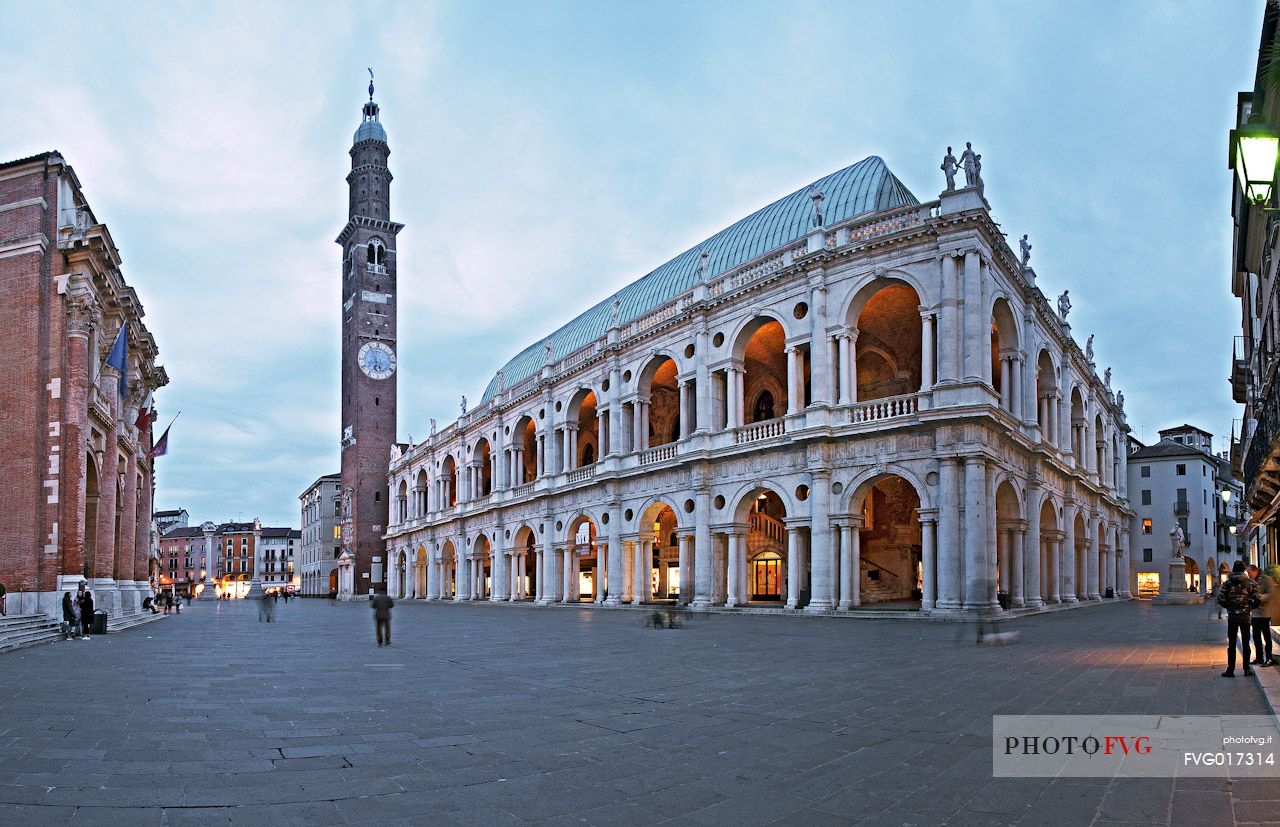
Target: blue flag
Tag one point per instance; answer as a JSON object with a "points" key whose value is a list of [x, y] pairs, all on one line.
{"points": [[119, 359]]}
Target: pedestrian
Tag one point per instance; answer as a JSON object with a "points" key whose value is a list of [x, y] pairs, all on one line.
{"points": [[1260, 617], [275, 596], [177, 604], [1238, 596], [70, 623], [265, 608], [86, 613], [382, 604], [77, 621]]}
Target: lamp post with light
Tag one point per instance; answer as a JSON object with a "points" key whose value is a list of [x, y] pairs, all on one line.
{"points": [[1254, 149]]}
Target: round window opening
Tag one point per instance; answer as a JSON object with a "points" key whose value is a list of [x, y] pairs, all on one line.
{"points": [[628, 514], [719, 502], [837, 487], [688, 351], [559, 525], [626, 376], [802, 492], [800, 311], [717, 339], [604, 386], [688, 506], [558, 406], [604, 518]]}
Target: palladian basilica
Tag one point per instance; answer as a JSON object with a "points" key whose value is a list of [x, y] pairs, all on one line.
{"points": [[848, 400]]}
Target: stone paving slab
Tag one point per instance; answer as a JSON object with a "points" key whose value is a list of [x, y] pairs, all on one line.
{"points": [[521, 715]]}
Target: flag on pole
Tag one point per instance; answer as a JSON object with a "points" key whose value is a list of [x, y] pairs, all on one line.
{"points": [[119, 359], [146, 414], [162, 444]]}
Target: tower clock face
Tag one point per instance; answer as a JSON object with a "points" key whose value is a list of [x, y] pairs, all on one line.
{"points": [[376, 360]]}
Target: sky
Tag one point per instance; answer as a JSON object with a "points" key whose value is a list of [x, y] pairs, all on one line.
{"points": [[547, 153]]}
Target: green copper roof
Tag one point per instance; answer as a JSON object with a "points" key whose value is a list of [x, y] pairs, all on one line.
{"points": [[866, 187]]}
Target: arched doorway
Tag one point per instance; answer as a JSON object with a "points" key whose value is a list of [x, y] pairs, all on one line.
{"points": [[582, 431], [1006, 367], [448, 575], [524, 439], [766, 383], [755, 565], [658, 571], [481, 470], [524, 565], [1050, 542], [885, 561], [1191, 573], [583, 574], [420, 568], [1080, 559], [449, 482], [481, 563], [1010, 570], [659, 398], [887, 349], [1046, 398]]}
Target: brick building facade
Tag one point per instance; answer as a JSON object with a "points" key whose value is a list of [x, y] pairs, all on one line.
{"points": [[75, 474]]}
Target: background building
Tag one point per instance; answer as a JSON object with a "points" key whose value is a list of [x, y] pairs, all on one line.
{"points": [[1180, 479], [166, 520], [1255, 380], [76, 475], [321, 535], [278, 557], [180, 560]]}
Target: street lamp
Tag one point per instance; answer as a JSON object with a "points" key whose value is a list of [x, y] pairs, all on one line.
{"points": [[1226, 496], [1254, 150]]}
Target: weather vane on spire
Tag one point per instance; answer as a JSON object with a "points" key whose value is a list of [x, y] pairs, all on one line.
{"points": [[370, 83]]}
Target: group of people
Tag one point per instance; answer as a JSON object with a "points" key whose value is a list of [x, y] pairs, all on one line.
{"points": [[77, 614], [166, 602], [1249, 597]]}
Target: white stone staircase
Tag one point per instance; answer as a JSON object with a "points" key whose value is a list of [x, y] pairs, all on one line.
{"points": [[20, 631]]}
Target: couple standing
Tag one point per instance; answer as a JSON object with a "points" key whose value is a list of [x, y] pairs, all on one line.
{"points": [[77, 614]]}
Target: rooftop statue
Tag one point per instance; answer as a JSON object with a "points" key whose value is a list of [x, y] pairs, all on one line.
{"points": [[1106, 378], [1088, 349], [548, 351], [977, 174], [502, 381], [1026, 250], [1120, 400], [615, 311], [949, 167], [464, 404], [1064, 304], [433, 427], [816, 198], [969, 162], [702, 265]]}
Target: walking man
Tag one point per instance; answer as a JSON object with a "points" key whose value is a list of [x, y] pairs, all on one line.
{"points": [[1260, 617], [382, 604], [1238, 596]]}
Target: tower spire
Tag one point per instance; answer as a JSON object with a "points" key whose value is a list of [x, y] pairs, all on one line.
{"points": [[370, 82]]}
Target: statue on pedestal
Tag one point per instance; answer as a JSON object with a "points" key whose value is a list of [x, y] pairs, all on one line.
{"points": [[614, 311], [1120, 400], [1026, 250], [1064, 304], [464, 404], [949, 167], [1088, 349], [969, 162], [433, 427], [1177, 540], [1106, 378], [702, 265]]}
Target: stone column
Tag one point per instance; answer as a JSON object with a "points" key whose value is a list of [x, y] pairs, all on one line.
{"points": [[927, 378], [977, 573], [1015, 386], [847, 571], [820, 373], [686, 568], [210, 564], [702, 388], [822, 549], [1122, 565], [105, 592], [703, 551], [643, 445], [929, 559], [1092, 572], [949, 343], [1069, 560], [499, 569], [793, 566], [794, 380], [973, 322], [75, 393], [845, 359], [127, 548], [1006, 383], [615, 562], [1031, 550], [641, 593], [733, 389], [682, 395], [949, 549], [1018, 539], [733, 570]]}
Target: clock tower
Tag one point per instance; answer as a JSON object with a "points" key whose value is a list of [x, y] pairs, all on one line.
{"points": [[368, 244]]}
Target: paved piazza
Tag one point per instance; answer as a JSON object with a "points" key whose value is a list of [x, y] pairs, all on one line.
{"points": [[513, 714]]}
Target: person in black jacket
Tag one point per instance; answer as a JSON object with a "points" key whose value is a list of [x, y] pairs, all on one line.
{"points": [[71, 624], [86, 612], [1239, 595]]}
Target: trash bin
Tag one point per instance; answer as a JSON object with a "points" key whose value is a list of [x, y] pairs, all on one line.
{"points": [[1111, 592], [100, 622], [1004, 600]]}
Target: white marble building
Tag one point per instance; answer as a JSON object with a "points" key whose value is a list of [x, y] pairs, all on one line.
{"points": [[847, 398], [320, 542]]}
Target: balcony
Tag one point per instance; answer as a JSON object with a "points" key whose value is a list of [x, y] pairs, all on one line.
{"points": [[1181, 506], [761, 430], [891, 407], [1259, 459], [659, 454], [1240, 371]]}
